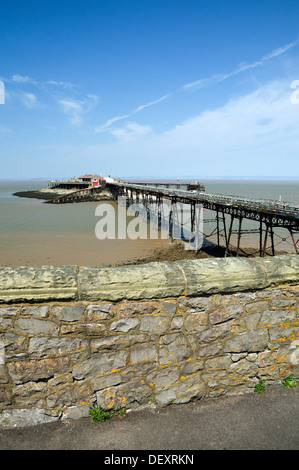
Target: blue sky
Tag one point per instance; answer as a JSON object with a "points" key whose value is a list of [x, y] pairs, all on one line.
{"points": [[177, 88]]}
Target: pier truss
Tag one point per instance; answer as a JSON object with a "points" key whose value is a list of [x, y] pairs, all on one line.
{"points": [[277, 223]]}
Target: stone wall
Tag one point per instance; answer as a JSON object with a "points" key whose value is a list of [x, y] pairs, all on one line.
{"points": [[145, 335]]}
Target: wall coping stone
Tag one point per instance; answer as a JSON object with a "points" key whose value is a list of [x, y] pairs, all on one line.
{"points": [[147, 281]]}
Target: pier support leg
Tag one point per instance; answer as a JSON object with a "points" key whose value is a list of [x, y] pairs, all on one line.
{"points": [[239, 235], [218, 234], [229, 235], [272, 238], [192, 217], [293, 240], [224, 228], [265, 240], [159, 214], [170, 224], [261, 237]]}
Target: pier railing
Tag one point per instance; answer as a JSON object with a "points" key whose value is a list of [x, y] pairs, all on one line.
{"points": [[287, 209]]}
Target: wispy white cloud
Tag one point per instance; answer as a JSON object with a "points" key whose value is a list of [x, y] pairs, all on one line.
{"points": [[131, 132], [216, 78], [198, 84], [61, 84], [23, 79], [151, 103], [111, 121], [254, 134], [28, 100], [5, 131], [17, 78], [76, 109]]}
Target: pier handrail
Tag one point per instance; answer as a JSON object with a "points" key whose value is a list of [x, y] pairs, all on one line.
{"points": [[240, 202]]}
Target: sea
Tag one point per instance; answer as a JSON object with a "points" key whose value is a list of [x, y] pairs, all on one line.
{"points": [[35, 233]]}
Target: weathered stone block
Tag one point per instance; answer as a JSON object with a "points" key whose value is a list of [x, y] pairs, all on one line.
{"points": [[70, 395], [101, 363], [256, 307], [6, 323], [99, 383], [3, 375], [196, 322], [33, 369], [41, 311], [283, 303], [155, 325], [8, 311], [209, 350], [283, 334], [124, 325], [35, 327], [5, 398], [200, 304], [131, 282], [280, 269], [176, 323], [28, 389], [139, 369], [115, 342], [69, 313], [277, 317], [169, 307], [104, 311], [13, 344], [163, 377], [24, 283], [223, 314], [220, 362], [86, 329], [219, 331], [186, 390], [131, 395], [138, 308], [191, 367], [174, 348], [208, 276], [252, 341], [25, 417], [143, 353], [44, 346], [76, 412]]}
